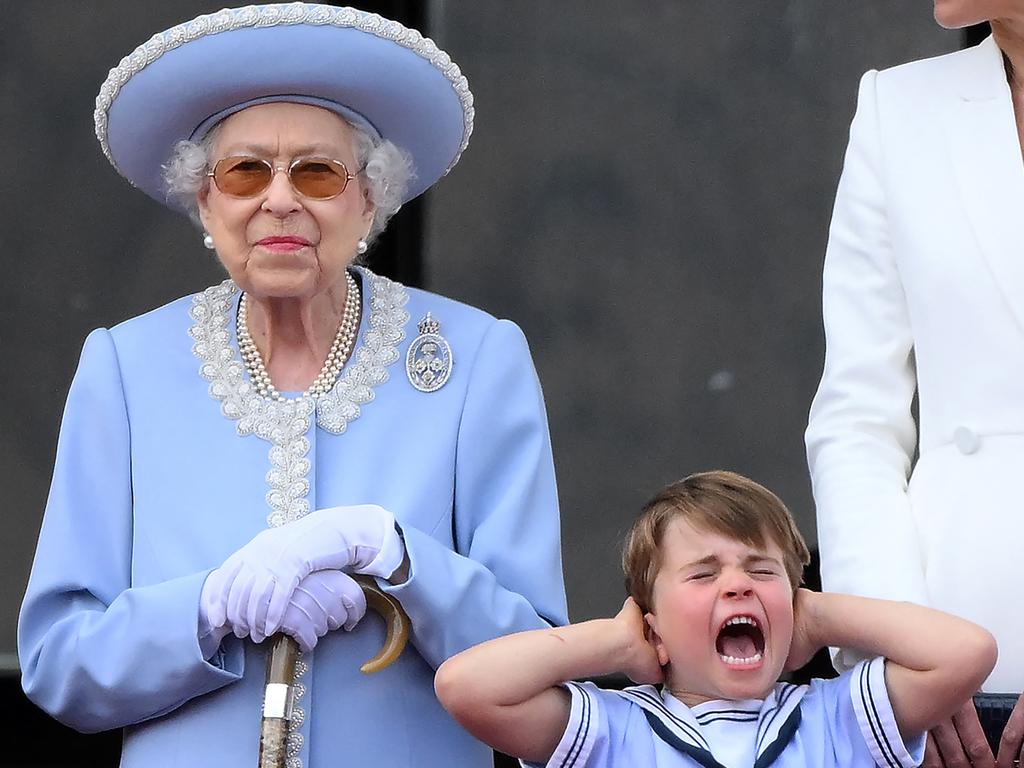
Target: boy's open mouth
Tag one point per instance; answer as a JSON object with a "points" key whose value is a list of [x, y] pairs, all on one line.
{"points": [[740, 641]]}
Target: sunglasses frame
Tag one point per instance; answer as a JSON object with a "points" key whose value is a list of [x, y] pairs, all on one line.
{"points": [[338, 164]]}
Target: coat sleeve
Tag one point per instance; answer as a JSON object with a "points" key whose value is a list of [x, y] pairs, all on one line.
{"points": [[861, 434], [506, 573], [97, 652]]}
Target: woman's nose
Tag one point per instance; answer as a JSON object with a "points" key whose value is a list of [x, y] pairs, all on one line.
{"points": [[280, 198]]}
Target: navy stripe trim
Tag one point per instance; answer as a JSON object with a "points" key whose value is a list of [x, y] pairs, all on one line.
{"points": [[780, 701], [776, 748], [582, 728], [871, 710], [767, 718], [715, 712], [658, 704], [731, 719], [702, 756]]}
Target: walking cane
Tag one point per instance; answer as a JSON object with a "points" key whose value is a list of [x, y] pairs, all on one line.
{"points": [[279, 696]]}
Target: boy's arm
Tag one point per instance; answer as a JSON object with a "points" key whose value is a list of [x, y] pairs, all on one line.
{"points": [[935, 661], [505, 691]]}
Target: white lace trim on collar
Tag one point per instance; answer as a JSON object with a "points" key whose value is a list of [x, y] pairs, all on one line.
{"points": [[285, 424]]}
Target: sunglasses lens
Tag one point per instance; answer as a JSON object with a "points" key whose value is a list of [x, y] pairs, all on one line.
{"points": [[316, 178], [319, 179], [242, 176]]}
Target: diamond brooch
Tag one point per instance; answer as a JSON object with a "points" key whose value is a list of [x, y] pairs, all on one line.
{"points": [[428, 363]]}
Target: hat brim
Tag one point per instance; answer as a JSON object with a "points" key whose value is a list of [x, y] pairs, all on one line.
{"points": [[399, 82]]}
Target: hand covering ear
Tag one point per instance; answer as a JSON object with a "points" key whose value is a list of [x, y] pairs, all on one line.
{"points": [[253, 587]]}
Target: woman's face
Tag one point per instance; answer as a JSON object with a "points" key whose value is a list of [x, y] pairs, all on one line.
{"points": [[954, 14], [280, 244]]}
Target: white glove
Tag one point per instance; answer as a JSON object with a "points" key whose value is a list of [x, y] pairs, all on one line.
{"points": [[324, 601], [210, 634], [251, 590]]}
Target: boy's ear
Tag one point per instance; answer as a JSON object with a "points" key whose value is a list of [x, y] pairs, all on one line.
{"points": [[654, 638]]}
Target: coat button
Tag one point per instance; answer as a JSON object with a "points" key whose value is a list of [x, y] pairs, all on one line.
{"points": [[967, 442]]}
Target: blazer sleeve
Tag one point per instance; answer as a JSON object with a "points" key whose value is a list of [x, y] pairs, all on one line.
{"points": [[97, 652], [505, 574], [861, 432]]}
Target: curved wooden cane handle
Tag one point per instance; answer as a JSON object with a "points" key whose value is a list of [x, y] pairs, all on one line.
{"points": [[395, 619]]}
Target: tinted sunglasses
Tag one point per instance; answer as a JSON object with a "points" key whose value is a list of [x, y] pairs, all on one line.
{"points": [[318, 178]]}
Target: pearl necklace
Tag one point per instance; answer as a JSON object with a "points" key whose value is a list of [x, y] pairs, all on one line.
{"points": [[341, 348]]}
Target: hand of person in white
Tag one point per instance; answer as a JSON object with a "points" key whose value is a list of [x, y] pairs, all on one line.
{"points": [[252, 589], [959, 741], [1011, 745]]}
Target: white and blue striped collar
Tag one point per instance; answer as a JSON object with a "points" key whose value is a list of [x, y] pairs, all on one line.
{"points": [[675, 723]]}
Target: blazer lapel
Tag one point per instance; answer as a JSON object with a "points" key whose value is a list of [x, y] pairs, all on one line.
{"points": [[986, 155]]}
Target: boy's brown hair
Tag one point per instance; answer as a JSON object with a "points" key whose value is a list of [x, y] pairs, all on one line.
{"points": [[721, 502]]}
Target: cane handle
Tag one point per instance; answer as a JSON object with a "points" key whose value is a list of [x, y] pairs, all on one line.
{"points": [[284, 652], [396, 622]]}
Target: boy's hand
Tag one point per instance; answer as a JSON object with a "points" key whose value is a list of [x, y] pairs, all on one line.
{"points": [[804, 644], [640, 660]]}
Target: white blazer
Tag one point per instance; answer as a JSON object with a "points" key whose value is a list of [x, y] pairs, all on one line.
{"points": [[924, 290]]}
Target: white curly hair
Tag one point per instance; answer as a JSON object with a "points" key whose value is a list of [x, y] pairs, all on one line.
{"points": [[386, 172]]}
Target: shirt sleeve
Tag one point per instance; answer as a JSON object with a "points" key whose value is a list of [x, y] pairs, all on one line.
{"points": [[97, 652], [862, 723], [861, 433], [505, 574], [598, 730]]}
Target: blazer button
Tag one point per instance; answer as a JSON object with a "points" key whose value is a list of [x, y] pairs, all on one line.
{"points": [[967, 442]]}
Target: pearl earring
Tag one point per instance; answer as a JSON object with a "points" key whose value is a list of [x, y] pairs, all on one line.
{"points": [[361, 247], [208, 240]]}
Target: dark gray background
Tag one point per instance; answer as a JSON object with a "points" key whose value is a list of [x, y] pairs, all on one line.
{"points": [[647, 193]]}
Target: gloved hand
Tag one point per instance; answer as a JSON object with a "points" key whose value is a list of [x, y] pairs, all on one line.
{"points": [[324, 601], [251, 590], [210, 634]]}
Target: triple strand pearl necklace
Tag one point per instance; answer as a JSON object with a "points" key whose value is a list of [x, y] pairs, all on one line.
{"points": [[341, 348]]}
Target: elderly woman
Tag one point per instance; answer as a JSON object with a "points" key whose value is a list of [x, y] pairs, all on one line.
{"points": [[923, 289], [227, 462]]}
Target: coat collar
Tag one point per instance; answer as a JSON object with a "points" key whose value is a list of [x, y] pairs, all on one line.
{"points": [[285, 425], [979, 74], [985, 152], [676, 724]]}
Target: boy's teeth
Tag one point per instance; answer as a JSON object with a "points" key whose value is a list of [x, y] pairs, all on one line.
{"points": [[739, 620], [734, 660]]}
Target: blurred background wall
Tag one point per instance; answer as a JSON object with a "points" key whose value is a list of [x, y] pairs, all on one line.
{"points": [[647, 193]]}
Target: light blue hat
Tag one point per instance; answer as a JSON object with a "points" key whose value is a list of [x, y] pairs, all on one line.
{"points": [[373, 71]]}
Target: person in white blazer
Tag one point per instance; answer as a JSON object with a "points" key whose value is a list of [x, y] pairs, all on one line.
{"points": [[924, 294]]}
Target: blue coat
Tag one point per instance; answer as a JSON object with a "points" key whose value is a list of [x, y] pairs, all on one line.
{"points": [[167, 463]]}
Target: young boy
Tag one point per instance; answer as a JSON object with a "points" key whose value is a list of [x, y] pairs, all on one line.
{"points": [[715, 612]]}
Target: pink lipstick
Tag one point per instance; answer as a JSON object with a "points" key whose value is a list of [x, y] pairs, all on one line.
{"points": [[284, 243]]}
